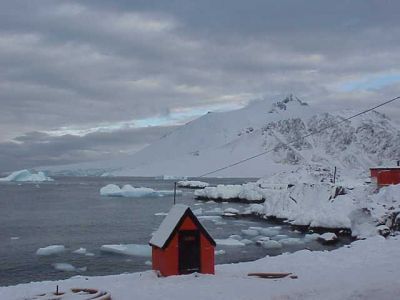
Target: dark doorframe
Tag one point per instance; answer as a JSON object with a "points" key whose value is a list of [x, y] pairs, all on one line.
{"points": [[189, 251]]}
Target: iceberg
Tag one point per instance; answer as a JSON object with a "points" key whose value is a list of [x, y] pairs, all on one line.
{"points": [[26, 176], [113, 190]]}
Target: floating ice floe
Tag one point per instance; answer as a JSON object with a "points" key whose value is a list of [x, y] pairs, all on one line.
{"points": [[228, 242], [26, 176], [193, 184], [50, 250], [212, 218], [311, 236], [250, 232], [83, 251], [219, 252], [14, 238], [113, 190], [291, 241], [271, 244], [246, 241], [65, 267], [128, 249]]}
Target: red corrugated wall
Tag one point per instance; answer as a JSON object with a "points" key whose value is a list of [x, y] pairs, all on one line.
{"points": [[388, 177]]}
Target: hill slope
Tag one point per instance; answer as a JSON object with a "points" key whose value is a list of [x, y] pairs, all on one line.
{"points": [[219, 139]]}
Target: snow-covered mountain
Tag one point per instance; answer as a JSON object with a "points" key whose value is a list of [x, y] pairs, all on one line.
{"points": [[219, 139]]}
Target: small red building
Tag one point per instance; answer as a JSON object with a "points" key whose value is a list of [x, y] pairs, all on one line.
{"points": [[386, 175], [181, 245]]}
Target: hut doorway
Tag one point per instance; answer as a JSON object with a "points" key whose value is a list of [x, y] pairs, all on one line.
{"points": [[189, 251]]}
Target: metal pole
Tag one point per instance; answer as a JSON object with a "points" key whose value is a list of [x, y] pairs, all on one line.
{"points": [[334, 176], [174, 192]]}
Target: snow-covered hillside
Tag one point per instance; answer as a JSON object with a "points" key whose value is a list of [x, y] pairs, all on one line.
{"points": [[219, 139]]}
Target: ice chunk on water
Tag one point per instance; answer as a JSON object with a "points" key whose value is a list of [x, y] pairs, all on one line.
{"points": [[219, 252], [311, 237], [250, 232], [235, 237], [328, 237], [50, 250], [25, 175], [128, 249], [113, 190], [231, 210], [271, 231], [82, 251], [271, 244], [291, 241], [65, 267], [228, 242], [246, 241]]}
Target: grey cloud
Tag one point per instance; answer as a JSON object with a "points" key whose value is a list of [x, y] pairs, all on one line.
{"points": [[79, 63], [37, 148]]}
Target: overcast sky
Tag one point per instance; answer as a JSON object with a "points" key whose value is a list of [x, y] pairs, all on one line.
{"points": [[84, 80]]}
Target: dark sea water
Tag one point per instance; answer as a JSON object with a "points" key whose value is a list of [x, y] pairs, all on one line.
{"points": [[71, 212]]}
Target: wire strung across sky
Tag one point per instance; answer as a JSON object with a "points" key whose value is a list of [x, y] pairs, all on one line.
{"points": [[301, 138]]}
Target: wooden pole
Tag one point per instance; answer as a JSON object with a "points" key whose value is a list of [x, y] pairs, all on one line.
{"points": [[174, 192]]}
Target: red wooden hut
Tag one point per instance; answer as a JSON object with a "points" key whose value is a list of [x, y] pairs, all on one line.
{"points": [[181, 245], [386, 175]]}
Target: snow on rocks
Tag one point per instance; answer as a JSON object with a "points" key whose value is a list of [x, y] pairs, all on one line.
{"points": [[193, 184], [127, 249], [50, 250], [26, 176], [113, 190], [249, 192]]}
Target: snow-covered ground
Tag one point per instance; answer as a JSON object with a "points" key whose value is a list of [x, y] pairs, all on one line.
{"points": [[113, 190], [26, 176], [366, 269]]}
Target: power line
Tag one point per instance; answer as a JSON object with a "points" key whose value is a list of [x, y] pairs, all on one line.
{"points": [[302, 137]]}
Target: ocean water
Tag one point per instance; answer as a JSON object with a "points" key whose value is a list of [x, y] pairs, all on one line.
{"points": [[71, 212]]}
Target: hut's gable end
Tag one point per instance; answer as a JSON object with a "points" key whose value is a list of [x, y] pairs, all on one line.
{"points": [[168, 226], [180, 217]]}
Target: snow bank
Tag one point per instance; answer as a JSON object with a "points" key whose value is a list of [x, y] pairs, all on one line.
{"points": [[128, 249], [50, 250], [193, 184], [359, 207], [26, 176], [367, 269], [113, 190], [249, 192]]}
